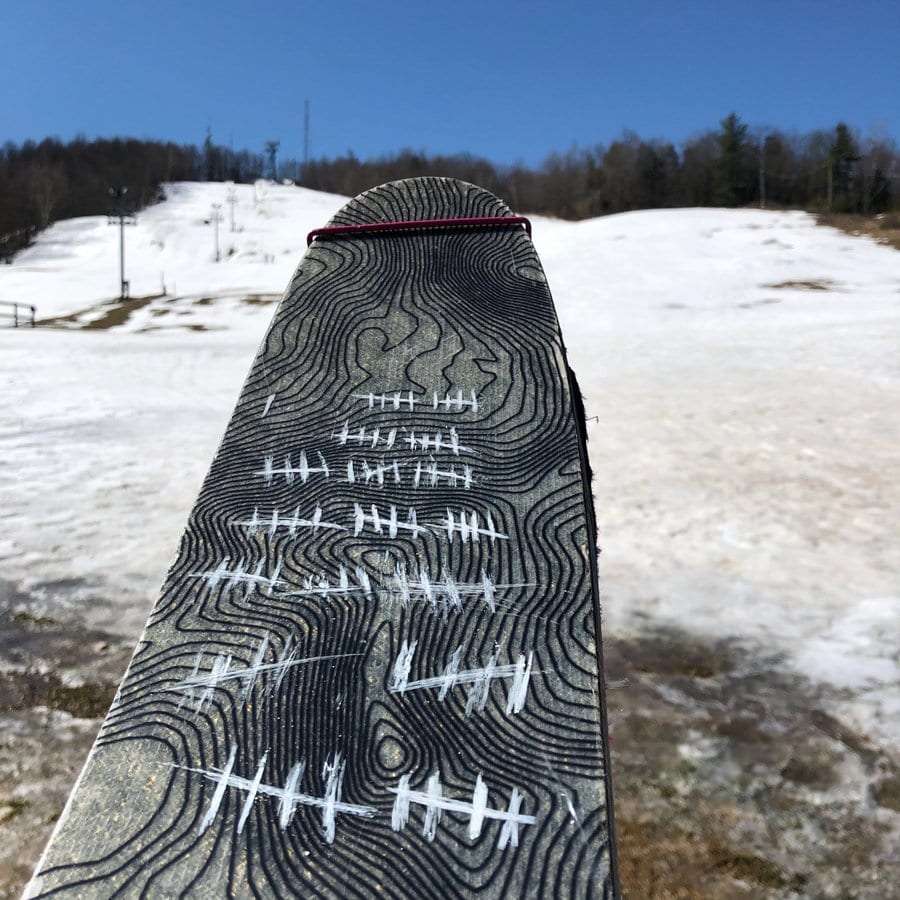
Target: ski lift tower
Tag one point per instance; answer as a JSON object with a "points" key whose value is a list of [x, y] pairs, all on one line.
{"points": [[231, 200], [215, 217], [121, 217]]}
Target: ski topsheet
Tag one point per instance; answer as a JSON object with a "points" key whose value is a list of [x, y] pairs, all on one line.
{"points": [[374, 667]]}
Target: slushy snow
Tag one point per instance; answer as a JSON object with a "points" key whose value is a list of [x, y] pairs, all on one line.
{"points": [[740, 369]]}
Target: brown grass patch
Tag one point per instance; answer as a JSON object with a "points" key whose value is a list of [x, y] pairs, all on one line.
{"points": [[114, 313], [660, 861], [25, 690], [883, 228], [261, 299], [887, 793], [801, 285]]}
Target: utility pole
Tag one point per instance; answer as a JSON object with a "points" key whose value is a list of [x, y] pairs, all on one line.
{"points": [[119, 216], [762, 173], [231, 198], [215, 218], [305, 137], [272, 152]]}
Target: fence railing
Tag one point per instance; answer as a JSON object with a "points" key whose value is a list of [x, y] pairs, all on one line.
{"points": [[16, 315]]}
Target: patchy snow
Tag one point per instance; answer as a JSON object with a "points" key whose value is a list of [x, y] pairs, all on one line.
{"points": [[742, 366], [75, 263]]}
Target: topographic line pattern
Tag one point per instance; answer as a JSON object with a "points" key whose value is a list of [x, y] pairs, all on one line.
{"points": [[358, 680]]}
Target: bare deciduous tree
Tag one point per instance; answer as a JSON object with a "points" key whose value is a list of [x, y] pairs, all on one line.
{"points": [[46, 189]]}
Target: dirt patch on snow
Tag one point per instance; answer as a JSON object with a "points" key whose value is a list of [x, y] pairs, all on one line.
{"points": [[733, 780], [811, 285], [882, 227], [261, 299], [100, 316], [57, 681]]}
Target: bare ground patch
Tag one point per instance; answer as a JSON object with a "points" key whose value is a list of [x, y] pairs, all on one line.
{"points": [[822, 284], [261, 299], [56, 683], [110, 314], [883, 228], [733, 780]]}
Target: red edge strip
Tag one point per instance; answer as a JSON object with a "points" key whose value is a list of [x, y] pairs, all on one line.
{"points": [[415, 225]]}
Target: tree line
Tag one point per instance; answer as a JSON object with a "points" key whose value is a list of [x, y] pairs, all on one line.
{"points": [[732, 165], [42, 182]]}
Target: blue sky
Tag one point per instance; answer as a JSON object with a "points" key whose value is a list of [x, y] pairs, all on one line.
{"points": [[506, 80]]}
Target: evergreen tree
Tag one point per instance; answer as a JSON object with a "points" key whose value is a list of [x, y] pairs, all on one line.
{"points": [[844, 153], [209, 162], [734, 167]]}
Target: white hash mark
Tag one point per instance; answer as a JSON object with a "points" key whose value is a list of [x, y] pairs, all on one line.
{"points": [[239, 575], [477, 810], [292, 522], [288, 796], [468, 528], [289, 472], [378, 523], [520, 672], [222, 671]]}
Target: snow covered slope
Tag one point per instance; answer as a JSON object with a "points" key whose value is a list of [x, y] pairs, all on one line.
{"points": [[75, 263], [742, 367]]}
